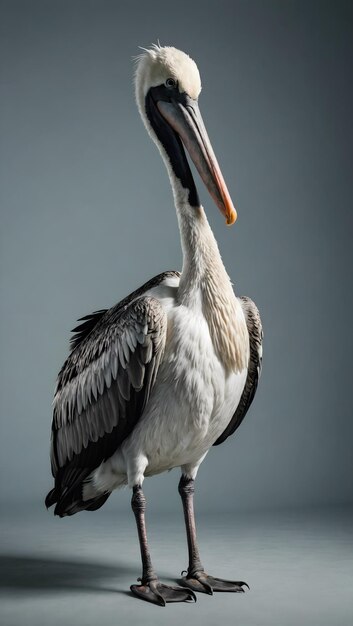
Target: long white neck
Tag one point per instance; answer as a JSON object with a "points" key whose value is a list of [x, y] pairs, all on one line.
{"points": [[201, 255], [205, 285]]}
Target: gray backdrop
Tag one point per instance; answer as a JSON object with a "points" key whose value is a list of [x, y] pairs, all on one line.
{"points": [[87, 216]]}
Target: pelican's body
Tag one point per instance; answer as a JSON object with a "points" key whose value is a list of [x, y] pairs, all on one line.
{"points": [[155, 381], [192, 402]]}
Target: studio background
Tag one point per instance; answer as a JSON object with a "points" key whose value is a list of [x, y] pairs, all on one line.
{"points": [[87, 216]]}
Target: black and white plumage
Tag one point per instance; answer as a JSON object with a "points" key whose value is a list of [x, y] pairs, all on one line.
{"points": [[171, 370], [103, 388]]}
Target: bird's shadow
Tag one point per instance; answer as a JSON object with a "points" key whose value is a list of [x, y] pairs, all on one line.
{"points": [[32, 574]]}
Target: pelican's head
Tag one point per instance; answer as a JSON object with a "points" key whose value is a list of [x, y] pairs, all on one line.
{"points": [[168, 85]]}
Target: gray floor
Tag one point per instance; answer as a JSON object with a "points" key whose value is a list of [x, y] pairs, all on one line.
{"points": [[78, 571]]}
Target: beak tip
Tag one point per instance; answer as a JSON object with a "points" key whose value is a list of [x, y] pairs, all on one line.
{"points": [[231, 217]]}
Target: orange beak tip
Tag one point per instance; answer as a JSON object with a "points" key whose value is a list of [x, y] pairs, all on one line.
{"points": [[231, 217]]}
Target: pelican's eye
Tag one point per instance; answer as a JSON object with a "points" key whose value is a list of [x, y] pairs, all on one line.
{"points": [[171, 83]]}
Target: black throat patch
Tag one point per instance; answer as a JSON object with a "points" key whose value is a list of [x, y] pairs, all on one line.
{"points": [[170, 140]]}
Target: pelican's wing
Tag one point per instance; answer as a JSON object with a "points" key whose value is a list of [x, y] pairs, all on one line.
{"points": [[254, 325], [104, 386]]}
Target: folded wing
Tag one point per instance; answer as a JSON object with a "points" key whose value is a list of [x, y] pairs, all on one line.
{"points": [[101, 392]]}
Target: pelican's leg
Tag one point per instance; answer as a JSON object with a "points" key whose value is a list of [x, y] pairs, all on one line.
{"points": [[196, 577], [150, 588]]}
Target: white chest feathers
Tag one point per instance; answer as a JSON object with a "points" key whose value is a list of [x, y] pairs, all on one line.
{"points": [[191, 404], [193, 400]]}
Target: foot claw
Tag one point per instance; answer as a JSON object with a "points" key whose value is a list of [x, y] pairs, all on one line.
{"points": [[202, 582], [154, 591], [242, 584]]}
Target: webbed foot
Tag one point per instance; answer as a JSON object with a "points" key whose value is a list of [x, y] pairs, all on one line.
{"points": [[158, 593], [202, 582]]}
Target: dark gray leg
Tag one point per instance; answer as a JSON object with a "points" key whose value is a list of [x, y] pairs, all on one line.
{"points": [[151, 589], [196, 577], [186, 489], [138, 505]]}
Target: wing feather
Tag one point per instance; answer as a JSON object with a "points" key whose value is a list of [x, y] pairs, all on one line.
{"points": [[102, 390], [254, 325], [92, 403]]}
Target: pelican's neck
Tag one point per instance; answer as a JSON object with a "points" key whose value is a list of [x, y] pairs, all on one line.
{"points": [[206, 287], [201, 256]]}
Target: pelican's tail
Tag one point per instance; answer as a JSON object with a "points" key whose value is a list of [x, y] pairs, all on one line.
{"points": [[67, 494]]}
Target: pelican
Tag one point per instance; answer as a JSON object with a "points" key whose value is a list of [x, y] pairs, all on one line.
{"points": [[153, 382]]}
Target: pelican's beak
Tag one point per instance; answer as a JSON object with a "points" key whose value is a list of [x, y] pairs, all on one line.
{"points": [[185, 119]]}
